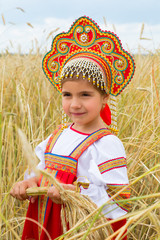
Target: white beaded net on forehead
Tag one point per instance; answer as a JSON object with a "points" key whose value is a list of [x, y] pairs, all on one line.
{"points": [[88, 68]]}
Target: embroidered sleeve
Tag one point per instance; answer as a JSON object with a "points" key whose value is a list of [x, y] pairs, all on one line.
{"points": [[113, 168]]}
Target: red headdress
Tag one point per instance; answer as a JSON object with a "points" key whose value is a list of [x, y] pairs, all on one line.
{"points": [[85, 41]]}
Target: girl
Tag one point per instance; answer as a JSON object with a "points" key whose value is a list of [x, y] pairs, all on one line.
{"points": [[85, 65]]}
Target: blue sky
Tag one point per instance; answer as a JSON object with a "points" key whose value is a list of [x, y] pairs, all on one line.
{"points": [[122, 16]]}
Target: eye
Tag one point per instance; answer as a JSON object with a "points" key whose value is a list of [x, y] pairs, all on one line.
{"points": [[86, 94], [66, 94]]}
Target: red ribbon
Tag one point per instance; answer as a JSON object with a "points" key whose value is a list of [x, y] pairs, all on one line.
{"points": [[106, 115]]}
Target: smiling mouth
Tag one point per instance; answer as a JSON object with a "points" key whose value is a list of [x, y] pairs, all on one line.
{"points": [[77, 114]]}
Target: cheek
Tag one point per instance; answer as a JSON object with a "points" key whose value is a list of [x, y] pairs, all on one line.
{"points": [[96, 104], [65, 105]]}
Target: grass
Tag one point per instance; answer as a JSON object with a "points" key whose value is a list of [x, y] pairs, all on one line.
{"points": [[29, 102]]}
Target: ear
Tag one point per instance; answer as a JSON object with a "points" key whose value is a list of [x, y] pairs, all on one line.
{"points": [[105, 99]]}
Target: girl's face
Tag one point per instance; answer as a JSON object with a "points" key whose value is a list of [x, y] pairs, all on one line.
{"points": [[83, 103]]}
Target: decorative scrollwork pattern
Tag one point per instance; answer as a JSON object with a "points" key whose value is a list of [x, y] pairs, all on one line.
{"points": [[53, 66], [84, 36], [119, 79], [120, 64], [108, 46], [62, 47]]}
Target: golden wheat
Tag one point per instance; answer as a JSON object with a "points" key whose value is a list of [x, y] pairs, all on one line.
{"points": [[30, 103]]}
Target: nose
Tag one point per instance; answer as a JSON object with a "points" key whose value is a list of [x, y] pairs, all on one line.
{"points": [[75, 103]]}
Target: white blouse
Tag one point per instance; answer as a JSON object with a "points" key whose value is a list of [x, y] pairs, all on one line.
{"points": [[108, 148]]}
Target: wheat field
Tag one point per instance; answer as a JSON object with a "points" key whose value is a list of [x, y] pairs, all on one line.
{"points": [[29, 102]]}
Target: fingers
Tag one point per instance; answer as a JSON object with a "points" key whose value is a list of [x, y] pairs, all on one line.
{"points": [[69, 187], [22, 192], [54, 195], [19, 191], [33, 199]]}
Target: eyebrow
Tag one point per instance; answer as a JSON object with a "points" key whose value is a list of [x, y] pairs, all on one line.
{"points": [[79, 92], [64, 92]]}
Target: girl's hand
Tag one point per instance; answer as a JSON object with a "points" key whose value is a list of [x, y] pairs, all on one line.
{"points": [[54, 194], [18, 191]]}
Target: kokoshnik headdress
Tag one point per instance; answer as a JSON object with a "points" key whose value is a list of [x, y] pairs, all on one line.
{"points": [[98, 55]]}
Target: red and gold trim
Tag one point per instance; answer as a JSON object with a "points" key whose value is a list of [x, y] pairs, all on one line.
{"points": [[62, 163], [90, 139], [112, 164], [121, 198]]}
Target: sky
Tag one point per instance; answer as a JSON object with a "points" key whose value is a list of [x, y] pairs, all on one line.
{"points": [[28, 25]]}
